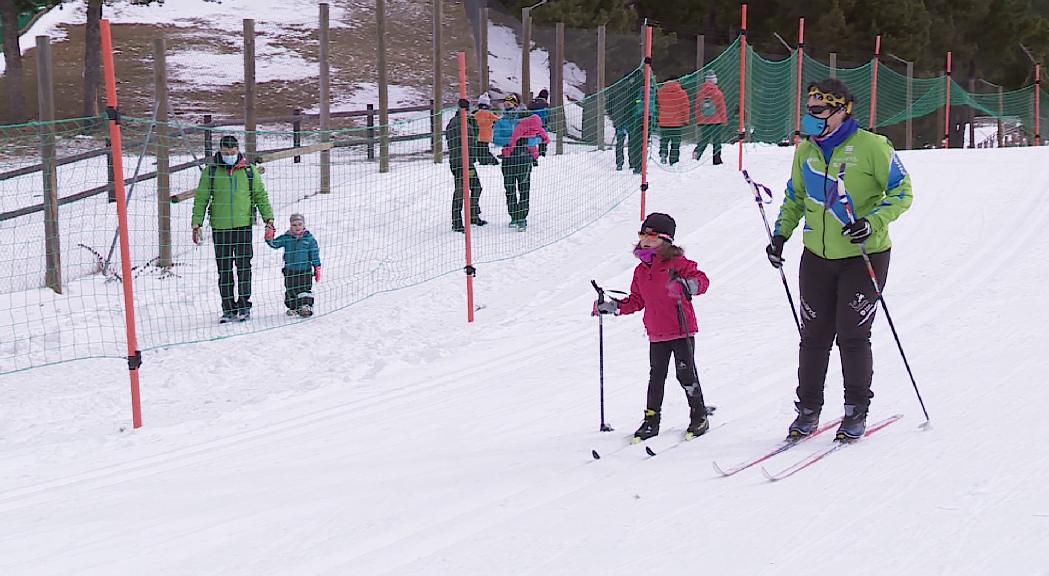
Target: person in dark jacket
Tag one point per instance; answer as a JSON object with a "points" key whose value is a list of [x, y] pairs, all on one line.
{"points": [[520, 153], [621, 110], [453, 135], [302, 265]]}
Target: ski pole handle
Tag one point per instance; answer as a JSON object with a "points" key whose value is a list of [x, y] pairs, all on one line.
{"points": [[600, 291], [758, 188]]}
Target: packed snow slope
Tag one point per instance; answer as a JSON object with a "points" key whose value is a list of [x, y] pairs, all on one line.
{"points": [[394, 439]]}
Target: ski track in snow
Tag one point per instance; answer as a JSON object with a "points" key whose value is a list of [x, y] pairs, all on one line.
{"points": [[392, 438]]}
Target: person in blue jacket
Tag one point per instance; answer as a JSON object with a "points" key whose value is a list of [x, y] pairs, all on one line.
{"points": [[302, 265]]}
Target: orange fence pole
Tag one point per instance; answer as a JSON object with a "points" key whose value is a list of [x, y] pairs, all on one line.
{"points": [[134, 357], [464, 111], [873, 119], [647, 103], [801, 74], [947, 107], [742, 85]]}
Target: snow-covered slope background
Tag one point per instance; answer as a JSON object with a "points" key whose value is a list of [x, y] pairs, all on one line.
{"points": [[393, 438]]}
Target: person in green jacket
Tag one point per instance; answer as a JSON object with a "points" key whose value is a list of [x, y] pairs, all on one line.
{"points": [[230, 191], [837, 295]]}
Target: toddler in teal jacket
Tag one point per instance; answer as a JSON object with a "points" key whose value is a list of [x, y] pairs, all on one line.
{"points": [[302, 265]]}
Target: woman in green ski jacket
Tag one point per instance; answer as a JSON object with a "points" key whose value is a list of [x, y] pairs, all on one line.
{"points": [[838, 298]]}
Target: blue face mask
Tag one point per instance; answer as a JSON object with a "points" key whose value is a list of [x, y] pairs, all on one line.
{"points": [[813, 126], [230, 159]]}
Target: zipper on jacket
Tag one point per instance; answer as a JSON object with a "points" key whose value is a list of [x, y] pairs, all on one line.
{"points": [[826, 203]]}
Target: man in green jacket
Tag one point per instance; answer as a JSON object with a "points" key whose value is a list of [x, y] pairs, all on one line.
{"points": [[230, 191], [837, 295]]}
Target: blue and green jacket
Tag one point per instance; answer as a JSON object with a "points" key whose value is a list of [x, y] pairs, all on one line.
{"points": [[876, 182], [301, 254]]}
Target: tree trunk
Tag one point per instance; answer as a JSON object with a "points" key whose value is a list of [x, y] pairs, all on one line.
{"points": [[92, 58], [15, 73]]}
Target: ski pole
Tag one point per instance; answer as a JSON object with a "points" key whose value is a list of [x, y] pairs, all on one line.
{"points": [[683, 325], [843, 197], [601, 354], [757, 189]]}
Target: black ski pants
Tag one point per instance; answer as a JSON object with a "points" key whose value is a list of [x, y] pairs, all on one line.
{"points": [[838, 300], [233, 248], [684, 363], [298, 288], [517, 180], [629, 136], [457, 197]]}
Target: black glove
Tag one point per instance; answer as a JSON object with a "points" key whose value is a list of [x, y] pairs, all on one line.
{"points": [[858, 231], [775, 251]]}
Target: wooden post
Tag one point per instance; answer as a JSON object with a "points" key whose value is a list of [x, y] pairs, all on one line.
{"points": [[701, 52], [296, 133], [742, 84], [438, 85], [558, 115], [526, 55], [910, 105], [800, 75], [160, 78], [384, 94], [46, 96], [601, 81], [939, 118], [872, 120], [112, 194], [370, 123], [1001, 114], [325, 96], [250, 141], [209, 142], [1037, 104], [947, 107], [972, 115], [483, 54], [833, 64]]}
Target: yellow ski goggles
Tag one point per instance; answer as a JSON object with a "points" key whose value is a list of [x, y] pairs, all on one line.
{"points": [[831, 100]]}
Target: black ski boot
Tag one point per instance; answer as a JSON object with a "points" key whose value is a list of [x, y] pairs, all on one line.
{"points": [[649, 426], [805, 424], [853, 425], [698, 423], [717, 159]]}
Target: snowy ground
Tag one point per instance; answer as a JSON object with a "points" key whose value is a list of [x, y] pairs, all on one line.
{"points": [[393, 438]]}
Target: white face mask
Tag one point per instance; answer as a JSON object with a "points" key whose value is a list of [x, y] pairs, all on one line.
{"points": [[230, 159]]}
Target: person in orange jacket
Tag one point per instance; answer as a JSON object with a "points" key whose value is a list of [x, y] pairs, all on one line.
{"points": [[674, 114], [710, 117], [486, 119]]}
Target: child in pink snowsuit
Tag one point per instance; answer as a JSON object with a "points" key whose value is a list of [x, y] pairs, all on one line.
{"points": [[663, 286]]}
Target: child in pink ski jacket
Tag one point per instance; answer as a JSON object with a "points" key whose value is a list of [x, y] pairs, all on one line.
{"points": [[663, 286], [528, 132]]}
